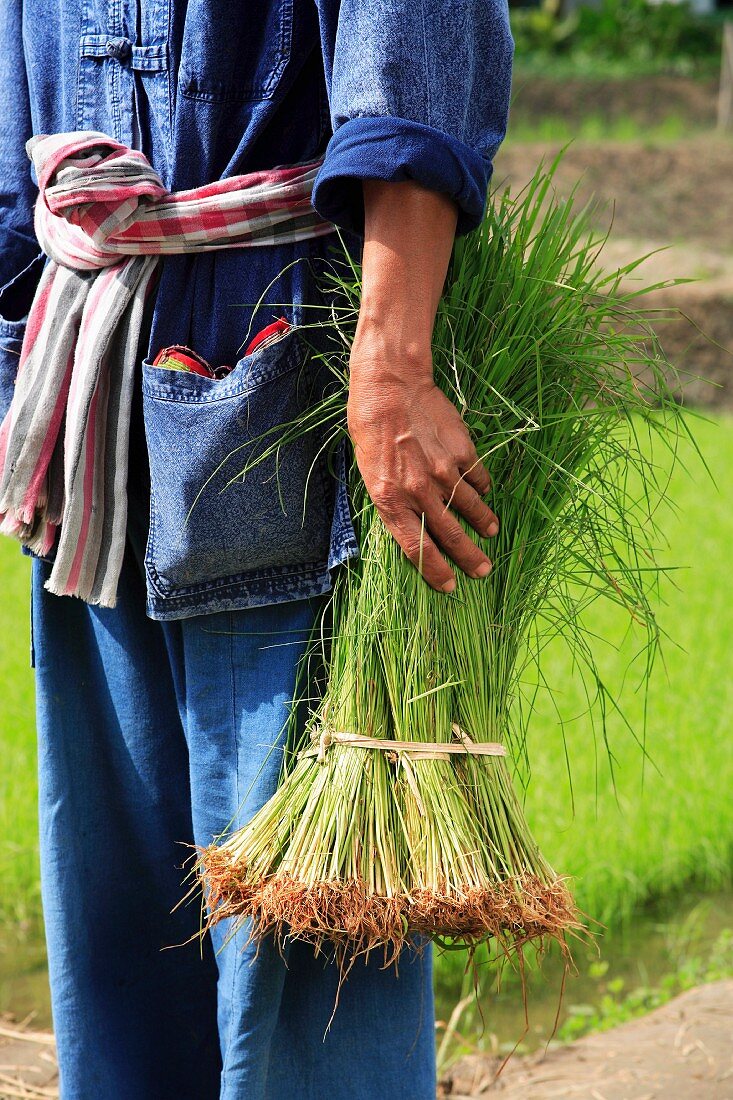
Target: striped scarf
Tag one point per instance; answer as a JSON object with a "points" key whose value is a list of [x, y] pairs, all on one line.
{"points": [[103, 217]]}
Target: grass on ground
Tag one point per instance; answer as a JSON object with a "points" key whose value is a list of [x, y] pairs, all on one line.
{"points": [[20, 892], [591, 66], [630, 834], [596, 127]]}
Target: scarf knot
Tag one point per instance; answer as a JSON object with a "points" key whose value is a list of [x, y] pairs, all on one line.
{"points": [[91, 189]]}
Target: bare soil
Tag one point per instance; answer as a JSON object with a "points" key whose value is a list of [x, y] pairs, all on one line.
{"points": [[27, 1062], [671, 192], [682, 1051], [647, 100]]}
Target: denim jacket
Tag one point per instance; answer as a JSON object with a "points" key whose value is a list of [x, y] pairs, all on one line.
{"points": [[388, 89]]}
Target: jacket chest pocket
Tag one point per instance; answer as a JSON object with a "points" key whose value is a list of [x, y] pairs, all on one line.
{"points": [[210, 525], [124, 80], [235, 51]]}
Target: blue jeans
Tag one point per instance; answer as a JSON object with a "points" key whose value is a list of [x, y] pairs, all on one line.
{"points": [[154, 736]]}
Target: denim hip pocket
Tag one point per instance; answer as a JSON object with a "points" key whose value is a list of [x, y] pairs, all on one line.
{"points": [[211, 525]]}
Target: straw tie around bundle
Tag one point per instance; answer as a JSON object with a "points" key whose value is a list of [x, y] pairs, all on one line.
{"points": [[420, 750]]}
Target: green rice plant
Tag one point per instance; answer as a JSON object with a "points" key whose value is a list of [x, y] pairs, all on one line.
{"points": [[397, 814]]}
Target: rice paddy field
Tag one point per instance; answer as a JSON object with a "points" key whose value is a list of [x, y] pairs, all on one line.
{"points": [[19, 889], [629, 829]]}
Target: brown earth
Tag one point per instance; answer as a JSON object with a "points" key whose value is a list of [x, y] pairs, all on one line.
{"points": [[670, 192], [647, 100], [27, 1063], [673, 200], [682, 1051]]}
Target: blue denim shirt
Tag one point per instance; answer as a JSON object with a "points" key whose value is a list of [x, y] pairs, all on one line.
{"points": [[209, 88]]}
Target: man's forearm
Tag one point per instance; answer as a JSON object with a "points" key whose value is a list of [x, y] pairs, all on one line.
{"points": [[408, 237], [414, 452]]}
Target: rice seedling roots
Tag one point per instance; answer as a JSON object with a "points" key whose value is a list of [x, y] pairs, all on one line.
{"points": [[354, 920]]}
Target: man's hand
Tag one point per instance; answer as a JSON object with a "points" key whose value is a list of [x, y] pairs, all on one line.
{"points": [[413, 450], [417, 460]]}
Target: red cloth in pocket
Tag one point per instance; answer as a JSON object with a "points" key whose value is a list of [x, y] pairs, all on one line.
{"points": [[269, 332]]}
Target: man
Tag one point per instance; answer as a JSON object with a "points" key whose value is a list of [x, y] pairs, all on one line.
{"points": [[160, 719]]}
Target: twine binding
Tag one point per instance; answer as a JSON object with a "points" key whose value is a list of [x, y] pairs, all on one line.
{"points": [[403, 750]]}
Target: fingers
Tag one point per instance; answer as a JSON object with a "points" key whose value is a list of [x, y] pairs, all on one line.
{"points": [[417, 545], [451, 537], [439, 479], [422, 542], [473, 470], [465, 500]]}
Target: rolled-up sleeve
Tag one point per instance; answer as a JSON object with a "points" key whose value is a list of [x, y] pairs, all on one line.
{"points": [[418, 89]]}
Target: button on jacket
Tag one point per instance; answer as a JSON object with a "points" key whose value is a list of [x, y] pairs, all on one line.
{"points": [[417, 89]]}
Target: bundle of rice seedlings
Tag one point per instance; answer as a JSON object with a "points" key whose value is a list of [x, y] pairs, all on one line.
{"points": [[397, 811]]}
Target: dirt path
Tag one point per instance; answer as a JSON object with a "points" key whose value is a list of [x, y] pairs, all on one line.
{"points": [[670, 192], [682, 1051], [647, 101], [27, 1063], [694, 319]]}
